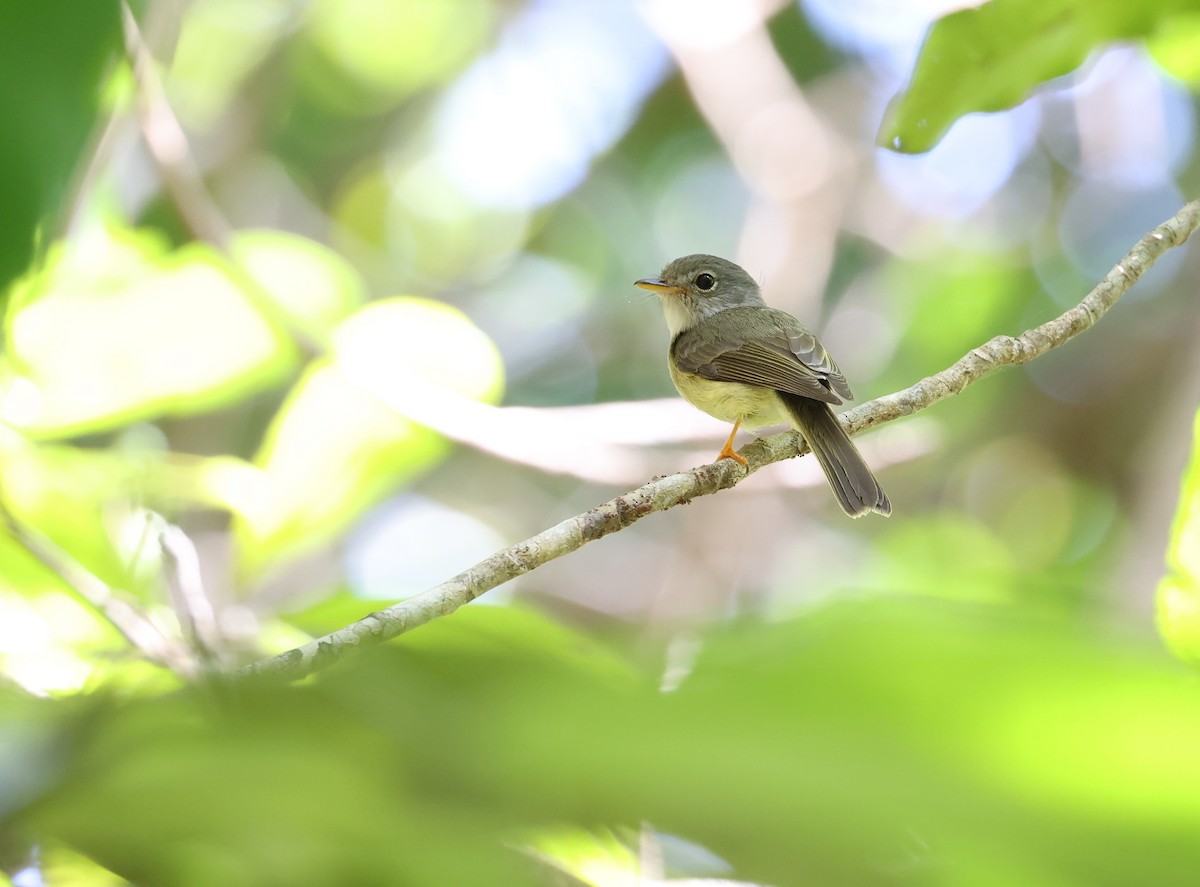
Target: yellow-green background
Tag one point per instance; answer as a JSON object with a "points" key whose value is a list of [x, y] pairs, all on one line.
{"points": [[446, 202]]}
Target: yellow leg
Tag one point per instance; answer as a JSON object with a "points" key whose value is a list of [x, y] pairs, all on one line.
{"points": [[727, 450]]}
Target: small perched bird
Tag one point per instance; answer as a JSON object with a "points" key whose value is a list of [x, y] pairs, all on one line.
{"points": [[745, 363]]}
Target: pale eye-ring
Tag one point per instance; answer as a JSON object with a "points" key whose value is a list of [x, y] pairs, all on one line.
{"points": [[705, 281]]}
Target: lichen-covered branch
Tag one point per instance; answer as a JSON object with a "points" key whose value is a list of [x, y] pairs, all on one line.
{"points": [[667, 492], [1009, 351]]}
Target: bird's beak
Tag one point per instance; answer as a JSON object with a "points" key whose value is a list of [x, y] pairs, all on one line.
{"points": [[656, 285]]}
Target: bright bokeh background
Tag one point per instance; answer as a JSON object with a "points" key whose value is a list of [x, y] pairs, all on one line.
{"points": [[388, 326], [521, 164]]}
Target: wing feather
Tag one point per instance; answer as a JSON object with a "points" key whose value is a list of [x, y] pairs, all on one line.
{"points": [[768, 348]]}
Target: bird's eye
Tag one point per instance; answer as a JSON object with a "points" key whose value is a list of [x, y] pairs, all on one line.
{"points": [[705, 281]]}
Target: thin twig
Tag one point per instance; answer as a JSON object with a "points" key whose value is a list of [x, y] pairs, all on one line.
{"points": [[136, 627], [168, 145], [667, 492], [192, 605]]}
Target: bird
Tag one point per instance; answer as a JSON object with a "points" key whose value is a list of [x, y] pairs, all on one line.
{"points": [[743, 362]]}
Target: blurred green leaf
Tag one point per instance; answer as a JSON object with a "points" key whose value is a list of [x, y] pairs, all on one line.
{"points": [[1177, 48], [893, 742], [72, 499], [968, 302], [87, 501], [594, 857], [203, 81], [364, 56], [994, 56], [1179, 590], [336, 447], [52, 56], [315, 287], [949, 557], [23, 573], [949, 306], [518, 632], [117, 328], [63, 867], [55, 643], [289, 793]]}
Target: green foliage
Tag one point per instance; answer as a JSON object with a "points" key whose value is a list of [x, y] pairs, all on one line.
{"points": [[123, 328], [992, 57], [53, 83], [1179, 590], [1177, 48], [366, 55], [955, 719], [311, 286], [88, 502], [957, 306], [885, 743], [338, 445]]}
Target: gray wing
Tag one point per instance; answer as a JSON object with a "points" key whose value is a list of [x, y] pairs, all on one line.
{"points": [[764, 347]]}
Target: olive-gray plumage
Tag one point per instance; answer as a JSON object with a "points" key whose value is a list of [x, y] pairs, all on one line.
{"points": [[742, 362]]}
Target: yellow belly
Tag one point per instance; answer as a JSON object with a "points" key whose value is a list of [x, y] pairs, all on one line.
{"points": [[730, 401]]}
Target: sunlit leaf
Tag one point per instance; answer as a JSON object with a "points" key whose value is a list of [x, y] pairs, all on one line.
{"points": [[23, 573], [992, 57], [597, 858], [1179, 590], [73, 500], [86, 502], [117, 328], [52, 643], [1177, 48], [336, 448], [314, 286], [66, 868]]}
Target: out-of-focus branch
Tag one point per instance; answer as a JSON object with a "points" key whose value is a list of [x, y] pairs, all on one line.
{"points": [[192, 606], [136, 627], [667, 492], [168, 145], [607, 443]]}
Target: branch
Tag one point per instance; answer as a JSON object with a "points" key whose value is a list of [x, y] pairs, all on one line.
{"points": [[677, 489], [138, 629], [168, 145], [192, 605]]}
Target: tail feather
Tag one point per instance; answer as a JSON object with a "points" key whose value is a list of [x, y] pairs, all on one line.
{"points": [[851, 479]]}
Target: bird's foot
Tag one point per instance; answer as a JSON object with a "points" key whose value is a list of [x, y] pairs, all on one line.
{"points": [[727, 452]]}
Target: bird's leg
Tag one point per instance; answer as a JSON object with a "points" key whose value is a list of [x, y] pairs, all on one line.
{"points": [[727, 450]]}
